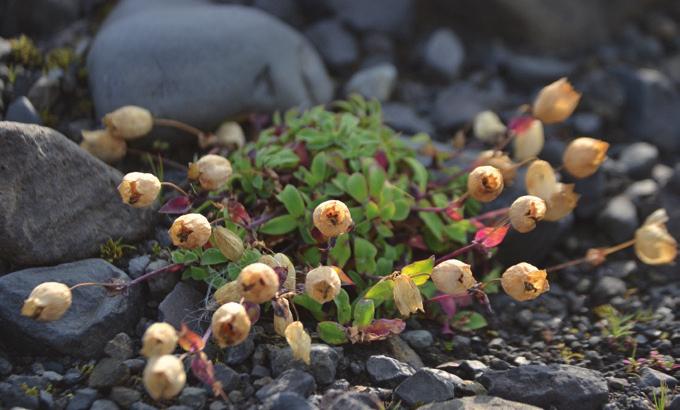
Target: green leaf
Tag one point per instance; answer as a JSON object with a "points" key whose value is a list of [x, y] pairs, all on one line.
{"points": [[364, 255], [457, 231], [372, 210], [292, 200], [468, 320], [387, 211], [184, 256], [359, 282], [341, 252], [383, 266], [434, 224], [364, 311], [343, 306], [419, 271], [196, 273], [312, 256], [402, 208], [384, 231], [357, 188], [332, 333], [419, 173], [279, 225], [318, 168], [380, 292], [314, 307], [213, 256], [376, 181]]}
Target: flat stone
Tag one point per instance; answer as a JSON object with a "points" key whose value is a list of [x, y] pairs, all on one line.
{"points": [[444, 53], [292, 380], [478, 403], [83, 399], [108, 373], [180, 304], [286, 401], [324, 362], [373, 82], [22, 110], [386, 371], [120, 347], [124, 396], [418, 339], [335, 43], [427, 386], [654, 378]]}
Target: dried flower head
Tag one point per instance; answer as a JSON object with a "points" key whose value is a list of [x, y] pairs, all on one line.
{"points": [[555, 102], [488, 127], [258, 282], [322, 284], [332, 218], [164, 377], [281, 261], [485, 183], [525, 212], [584, 156], [129, 122], [103, 145], [282, 315], [407, 296], [230, 135], [560, 199], [230, 324], [524, 282], [453, 277], [211, 171], [190, 231], [299, 341], [139, 189], [229, 243], [653, 244], [528, 141], [500, 161], [159, 339], [561, 203], [47, 302]]}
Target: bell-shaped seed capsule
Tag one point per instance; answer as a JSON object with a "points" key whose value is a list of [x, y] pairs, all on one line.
{"points": [[561, 203], [453, 277], [139, 189], [47, 302], [229, 292], [584, 156], [524, 282], [485, 183], [540, 179], [555, 102], [212, 171], [653, 244], [129, 122], [525, 212], [164, 377], [229, 243], [230, 135], [159, 339], [190, 231], [488, 127], [407, 296], [103, 145], [322, 284], [230, 324], [332, 218], [500, 161], [282, 315], [258, 282], [299, 341], [528, 142], [281, 261]]}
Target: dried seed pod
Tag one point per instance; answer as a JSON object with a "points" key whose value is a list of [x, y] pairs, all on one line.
{"points": [[230, 135], [211, 171], [407, 296], [524, 282], [230, 324], [528, 142], [139, 189], [300, 342], [229, 292], [322, 284], [500, 161], [453, 277], [129, 122], [525, 212], [488, 127], [282, 315], [584, 156], [190, 231], [230, 244], [103, 145], [164, 377], [540, 179], [258, 282], [485, 183], [281, 261], [653, 244], [555, 102], [561, 202], [159, 339], [47, 302], [332, 218]]}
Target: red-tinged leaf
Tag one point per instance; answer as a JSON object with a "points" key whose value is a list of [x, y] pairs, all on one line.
{"points": [[238, 213], [491, 237], [346, 280], [417, 242], [381, 158], [452, 211], [177, 205], [520, 124], [189, 340], [379, 329], [300, 149], [204, 371], [317, 235], [477, 224], [253, 311]]}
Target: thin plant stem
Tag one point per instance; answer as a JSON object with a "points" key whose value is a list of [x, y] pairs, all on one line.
{"points": [[491, 214], [166, 122], [172, 267], [457, 252], [175, 187], [606, 251], [166, 161]]}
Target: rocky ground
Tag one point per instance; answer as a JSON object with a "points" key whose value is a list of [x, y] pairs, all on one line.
{"points": [[434, 65]]}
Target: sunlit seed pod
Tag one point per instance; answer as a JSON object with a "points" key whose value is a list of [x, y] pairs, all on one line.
{"points": [[164, 377], [299, 341], [230, 324], [190, 231], [129, 122], [279, 260], [488, 127], [258, 282], [500, 161], [230, 135], [541, 180], [485, 183], [139, 189], [103, 145], [584, 155], [407, 296], [47, 302], [561, 203], [528, 143], [653, 244], [332, 218], [524, 282], [229, 292], [453, 277], [525, 212], [282, 315], [555, 102], [159, 339], [229, 243], [322, 284], [211, 171]]}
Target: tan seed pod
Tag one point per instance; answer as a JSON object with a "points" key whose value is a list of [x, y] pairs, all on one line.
{"points": [[103, 145], [229, 243], [653, 244], [164, 377], [488, 127], [322, 284], [529, 142], [500, 161], [540, 179], [300, 342], [47, 302], [139, 189], [556, 102], [211, 171], [332, 218], [279, 260], [190, 231], [561, 202], [229, 292], [584, 156], [258, 282], [230, 135], [485, 183], [407, 296], [129, 122], [524, 282], [230, 324], [282, 316], [453, 277], [159, 339], [525, 212]]}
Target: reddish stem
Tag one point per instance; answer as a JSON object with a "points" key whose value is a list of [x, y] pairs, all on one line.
{"points": [[459, 251]]}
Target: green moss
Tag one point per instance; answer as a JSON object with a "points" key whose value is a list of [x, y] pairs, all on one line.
{"points": [[59, 58], [25, 52]]}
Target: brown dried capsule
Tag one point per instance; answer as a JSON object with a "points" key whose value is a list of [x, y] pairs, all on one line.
{"points": [[322, 284], [653, 244], [129, 122], [282, 315], [453, 277], [47, 302], [139, 189], [500, 161], [485, 183], [561, 203], [555, 102], [488, 127], [229, 292], [164, 377], [299, 341], [258, 282], [103, 145], [211, 171], [229, 243], [584, 156], [332, 218], [281, 261], [230, 324], [524, 282], [407, 296], [528, 142], [560, 199], [525, 212], [230, 135], [190, 231], [159, 339]]}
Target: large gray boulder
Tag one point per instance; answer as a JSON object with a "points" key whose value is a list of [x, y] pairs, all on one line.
{"points": [[57, 202]]}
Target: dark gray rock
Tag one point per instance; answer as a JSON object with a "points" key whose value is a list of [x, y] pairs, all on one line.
{"points": [[618, 219], [5, 366], [607, 288], [536, 71], [92, 320], [46, 91], [373, 82], [459, 103], [286, 401], [324, 362], [227, 376], [336, 44], [18, 17], [162, 284], [444, 53], [193, 397], [177, 307], [124, 396], [21, 110], [403, 118], [654, 378], [142, 406], [478, 403], [77, 194], [391, 16], [239, 353], [120, 347], [646, 196], [418, 339], [562, 386], [427, 386], [587, 123], [638, 159], [108, 372], [472, 369], [592, 191], [103, 404], [137, 265], [83, 399], [292, 380], [386, 371], [286, 10], [352, 400], [675, 403], [12, 396], [533, 247]]}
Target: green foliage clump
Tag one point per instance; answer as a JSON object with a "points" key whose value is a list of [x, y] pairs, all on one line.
{"points": [[25, 52]]}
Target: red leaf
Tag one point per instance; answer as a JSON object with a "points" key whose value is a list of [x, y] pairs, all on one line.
{"points": [[520, 124], [491, 237], [452, 211], [177, 205], [382, 328], [202, 368], [381, 158], [301, 151], [238, 213], [417, 242], [253, 311], [190, 341]]}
